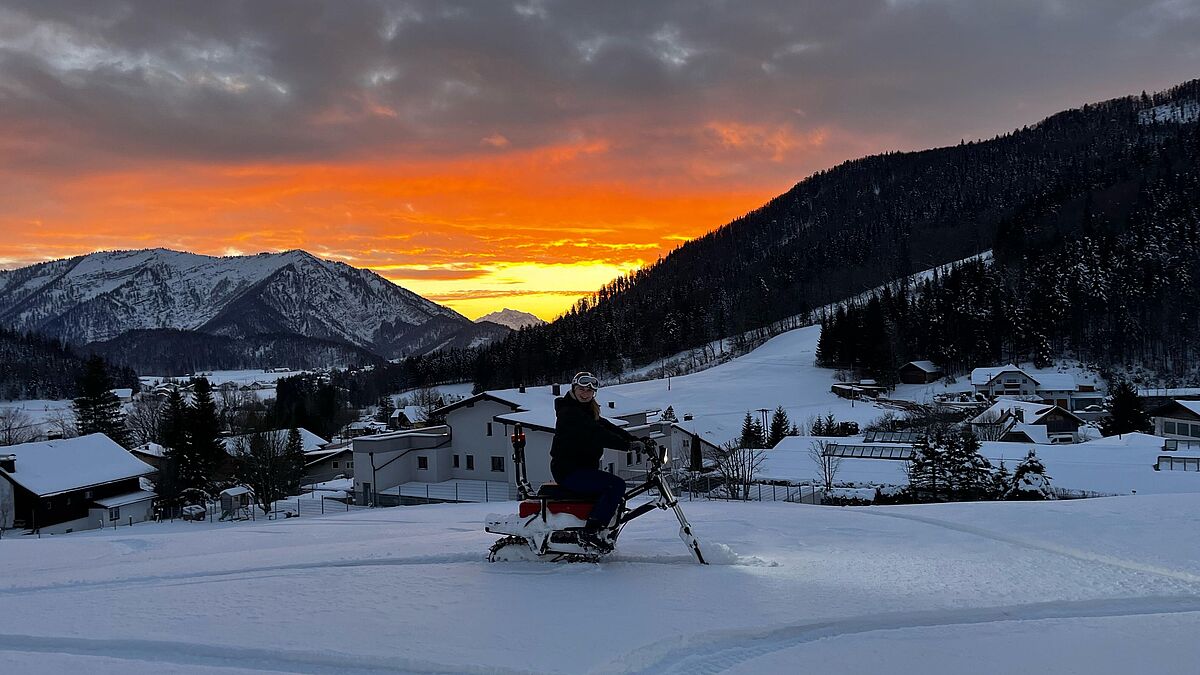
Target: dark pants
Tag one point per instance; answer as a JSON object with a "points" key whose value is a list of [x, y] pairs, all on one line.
{"points": [[607, 488]]}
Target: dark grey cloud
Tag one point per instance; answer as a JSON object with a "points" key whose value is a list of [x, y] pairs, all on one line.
{"points": [[111, 82]]}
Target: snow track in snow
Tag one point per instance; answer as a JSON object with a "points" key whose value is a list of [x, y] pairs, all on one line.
{"points": [[718, 651], [1048, 547], [193, 654]]}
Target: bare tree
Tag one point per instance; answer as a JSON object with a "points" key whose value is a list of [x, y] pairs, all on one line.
{"points": [[61, 422], [827, 464], [16, 426], [144, 420], [266, 466], [989, 426], [737, 466]]}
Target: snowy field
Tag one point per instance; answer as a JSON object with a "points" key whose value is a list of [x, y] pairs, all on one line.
{"points": [[1092, 586], [780, 372]]}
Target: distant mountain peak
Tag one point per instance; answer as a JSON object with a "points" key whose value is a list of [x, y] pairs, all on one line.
{"points": [[105, 294], [514, 319]]}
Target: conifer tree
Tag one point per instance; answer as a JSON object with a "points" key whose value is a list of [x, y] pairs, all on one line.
{"points": [[206, 449], [669, 415], [752, 433], [173, 436], [1125, 411], [386, 408], [779, 427], [97, 409], [1030, 481], [294, 454]]}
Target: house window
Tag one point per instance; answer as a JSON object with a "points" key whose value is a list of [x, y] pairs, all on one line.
{"points": [[498, 464], [1196, 430], [489, 425], [470, 462], [114, 513], [1010, 380], [87, 494], [612, 468], [335, 465], [1168, 427], [456, 461], [350, 465], [629, 457], [422, 462]]}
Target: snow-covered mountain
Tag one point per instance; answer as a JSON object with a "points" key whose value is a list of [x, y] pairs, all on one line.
{"points": [[514, 319], [103, 295]]}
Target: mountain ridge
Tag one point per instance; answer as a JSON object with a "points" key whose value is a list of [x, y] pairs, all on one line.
{"points": [[99, 296]]}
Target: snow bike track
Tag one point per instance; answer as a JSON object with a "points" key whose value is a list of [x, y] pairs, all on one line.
{"points": [[707, 652], [717, 651]]}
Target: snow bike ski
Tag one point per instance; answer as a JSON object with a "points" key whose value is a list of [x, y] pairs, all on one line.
{"points": [[549, 523]]}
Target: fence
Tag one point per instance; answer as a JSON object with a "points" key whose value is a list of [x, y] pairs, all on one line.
{"points": [[452, 491], [715, 487]]}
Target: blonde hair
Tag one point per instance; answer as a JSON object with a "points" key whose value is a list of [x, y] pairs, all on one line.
{"points": [[595, 406]]}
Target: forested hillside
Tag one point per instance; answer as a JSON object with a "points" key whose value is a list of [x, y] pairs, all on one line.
{"points": [[1071, 190], [36, 367], [1110, 277]]}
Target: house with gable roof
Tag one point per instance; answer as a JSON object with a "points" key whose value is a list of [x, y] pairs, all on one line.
{"points": [[1178, 420], [72, 484], [474, 443], [1061, 389], [1026, 422]]}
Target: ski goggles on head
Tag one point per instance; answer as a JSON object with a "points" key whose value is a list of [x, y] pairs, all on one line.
{"points": [[586, 380]]}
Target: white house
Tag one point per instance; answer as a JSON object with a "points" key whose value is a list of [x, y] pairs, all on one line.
{"points": [[474, 443], [1179, 421], [72, 484], [1061, 389]]}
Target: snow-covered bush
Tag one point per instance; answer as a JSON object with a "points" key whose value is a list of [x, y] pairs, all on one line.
{"points": [[1030, 481]]}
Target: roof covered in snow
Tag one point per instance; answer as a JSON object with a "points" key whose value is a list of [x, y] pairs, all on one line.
{"points": [[308, 440], [151, 449], [1030, 411], [128, 498], [982, 376], [52, 467], [927, 366]]}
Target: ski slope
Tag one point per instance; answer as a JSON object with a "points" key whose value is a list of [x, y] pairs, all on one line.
{"points": [[1092, 586]]}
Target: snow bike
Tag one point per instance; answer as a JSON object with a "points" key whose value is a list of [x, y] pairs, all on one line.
{"points": [[550, 522]]}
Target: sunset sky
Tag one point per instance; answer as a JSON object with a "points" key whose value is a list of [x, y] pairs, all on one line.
{"points": [[509, 154]]}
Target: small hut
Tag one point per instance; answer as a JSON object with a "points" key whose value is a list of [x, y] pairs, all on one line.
{"points": [[236, 503], [919, 372]]}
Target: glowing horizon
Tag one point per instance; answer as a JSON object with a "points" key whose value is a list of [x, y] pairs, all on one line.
{"points": [[494, 155]]}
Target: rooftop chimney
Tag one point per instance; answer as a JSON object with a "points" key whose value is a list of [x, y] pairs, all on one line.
{"points": [[521, 389], [8, 463], [612, 404], [556, 389]]}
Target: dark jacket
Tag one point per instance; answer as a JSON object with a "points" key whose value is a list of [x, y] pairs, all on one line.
{"points": [[580, 438]]}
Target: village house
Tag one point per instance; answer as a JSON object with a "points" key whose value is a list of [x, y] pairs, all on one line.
{"points": [[1059, 389], [335, 460], [1178, 421], [919, 372], [473, 446], [407, 417], [1018, 421], [72, 484]]}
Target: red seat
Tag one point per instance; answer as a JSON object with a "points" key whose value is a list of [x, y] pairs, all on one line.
{"points": [[578, 509]]}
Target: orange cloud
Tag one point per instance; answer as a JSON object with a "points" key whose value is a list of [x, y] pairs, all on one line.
{"points": [[571, 215]]}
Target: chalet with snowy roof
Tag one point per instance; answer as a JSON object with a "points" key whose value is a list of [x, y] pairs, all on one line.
{"points": [[407, 417], [335, 460], [919, 372], [473, 445], [123, 394], [308, 440], [150, 453], [1019, 421], [1178, 420], [72, 484], [1061, 389]]}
